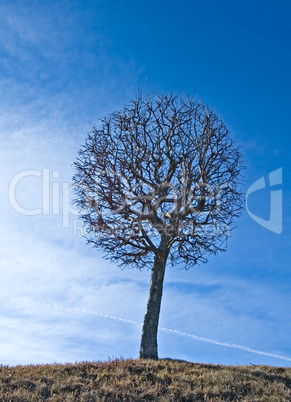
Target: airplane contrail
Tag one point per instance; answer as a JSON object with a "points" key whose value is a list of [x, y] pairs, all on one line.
{"points": [[171, 331], [228, 345]]}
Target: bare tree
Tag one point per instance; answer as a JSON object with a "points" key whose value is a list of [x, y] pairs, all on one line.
{"points": [[158, 182]]}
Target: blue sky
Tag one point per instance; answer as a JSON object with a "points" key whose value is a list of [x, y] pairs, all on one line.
{"points": [[64, 64]]}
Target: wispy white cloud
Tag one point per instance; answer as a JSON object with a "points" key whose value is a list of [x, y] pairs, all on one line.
{"points": [[69, 310], [43, 261]]}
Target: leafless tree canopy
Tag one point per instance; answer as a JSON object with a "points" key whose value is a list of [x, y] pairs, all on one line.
{"points": [[162, 169]]}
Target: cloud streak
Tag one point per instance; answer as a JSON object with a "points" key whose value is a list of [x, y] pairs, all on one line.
{"points": [[228, 345], [168, 330]]}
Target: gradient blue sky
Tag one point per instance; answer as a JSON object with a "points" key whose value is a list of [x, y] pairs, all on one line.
{"points": [[64, 64]]}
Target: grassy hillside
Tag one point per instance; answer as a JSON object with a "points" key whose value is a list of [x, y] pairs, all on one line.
{"points": [[144, 380]]}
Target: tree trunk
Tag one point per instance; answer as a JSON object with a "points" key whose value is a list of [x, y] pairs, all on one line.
{"points": [[149, 345]]}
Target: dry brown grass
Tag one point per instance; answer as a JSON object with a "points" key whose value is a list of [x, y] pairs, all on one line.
{"points": [[144, 380]]}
